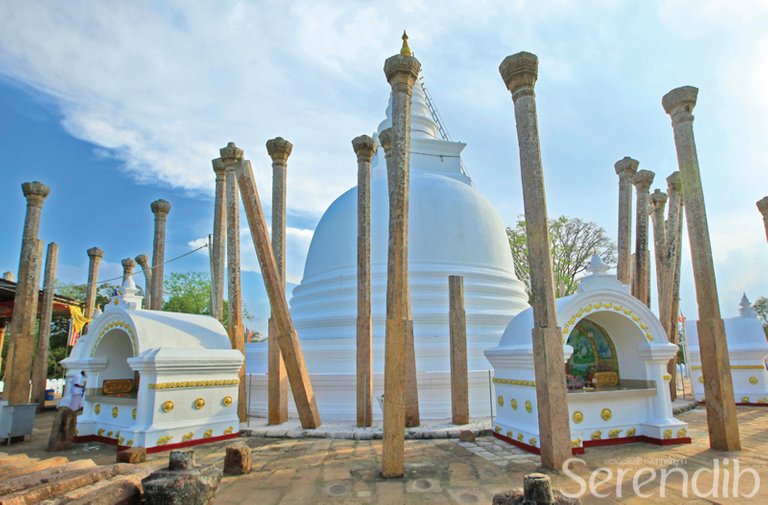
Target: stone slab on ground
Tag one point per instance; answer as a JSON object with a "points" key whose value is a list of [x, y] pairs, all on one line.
{"points": [[33, 479], [121, 490]]}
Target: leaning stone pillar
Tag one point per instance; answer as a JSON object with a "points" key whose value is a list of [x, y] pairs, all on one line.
{"points": [[642, 181], [762, 206], [401, 71], [218, 254], [715, 366], [230, 156], [519, 72], [364, 148], [626, 168], [674, 234], [279, 150], [658, 203], [411, 385], [19, 358], [457, 322], [160, 208], [143, 261], [94, 260], [40, 362]]}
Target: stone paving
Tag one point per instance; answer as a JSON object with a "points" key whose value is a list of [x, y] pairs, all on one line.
{"points": [[449, 471]]}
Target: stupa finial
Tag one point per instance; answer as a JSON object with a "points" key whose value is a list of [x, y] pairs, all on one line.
{"points": [[405, 50], [745, 307], [596, 265]]}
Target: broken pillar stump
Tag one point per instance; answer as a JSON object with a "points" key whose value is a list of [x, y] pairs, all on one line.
{"points": [[237, 460], [132, 455], [182, 483], [537, 490], [62, 430]]}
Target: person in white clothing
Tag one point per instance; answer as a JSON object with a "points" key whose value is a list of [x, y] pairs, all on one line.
{"points": [[78, 390]]}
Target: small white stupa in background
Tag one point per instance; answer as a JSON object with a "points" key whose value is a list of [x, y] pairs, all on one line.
{"points": [[747, 351], [453, 230]]}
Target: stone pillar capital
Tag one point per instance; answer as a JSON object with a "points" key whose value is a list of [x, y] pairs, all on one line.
{"points": [[160, 208], [364, 147], [626, 167], [95, 252], [385, 139], [279, 149], [658, 199], [674, 183], [219, 167], [679, 103], [402, 71], [230, 154], [762, 206], [128, 265], [519, 72], [643, 180], [35, 192], [142, 260]]}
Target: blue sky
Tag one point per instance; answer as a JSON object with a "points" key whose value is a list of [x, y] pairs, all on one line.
{"points": [[114, 105]]}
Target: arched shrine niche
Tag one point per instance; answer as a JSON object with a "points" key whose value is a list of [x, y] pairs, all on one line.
{"points": [[116, 346], [594, 359]]}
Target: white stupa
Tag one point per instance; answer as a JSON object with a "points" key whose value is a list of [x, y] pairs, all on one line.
{"points": [[453, 230]]}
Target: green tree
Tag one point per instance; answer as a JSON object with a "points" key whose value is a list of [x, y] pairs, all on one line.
{"points": [[573, 241], [190, 293]]}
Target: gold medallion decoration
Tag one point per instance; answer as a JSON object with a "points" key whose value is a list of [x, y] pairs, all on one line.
{"points": [[763, 400], [164, 439], [576, 442], [129, 443], [227, 401], [631, 432], [745, 399], [109, 434], [497, 429], [100, 432], [199, 403], [208, 433], [578, 417], [667, 377], [597, 435], [167, 406], [528, 406], [115, 412], [97, 409], [121, 440], [510, 434], [532, 441], [682, 433], [606, 414], [614, 433], [133, 414], [753, 380], [500, 401], [701, 379], [520, 437], [513, 403], [667, 434], [187, 436]]}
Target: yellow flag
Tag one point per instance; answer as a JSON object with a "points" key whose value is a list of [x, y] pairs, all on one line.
{"points": [[78, 319]]}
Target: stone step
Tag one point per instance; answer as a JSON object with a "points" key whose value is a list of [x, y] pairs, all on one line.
{"points": [[13, 459], [33, 479], [31, 467], [120, 490], [62, 483]]}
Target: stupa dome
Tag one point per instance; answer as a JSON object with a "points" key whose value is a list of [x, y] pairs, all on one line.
{"points": [[453, 230]]}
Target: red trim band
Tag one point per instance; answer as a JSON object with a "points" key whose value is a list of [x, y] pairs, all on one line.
{"points": [[157, 448]]}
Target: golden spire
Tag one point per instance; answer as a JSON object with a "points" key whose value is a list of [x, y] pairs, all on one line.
{"points": [[405, 50]]}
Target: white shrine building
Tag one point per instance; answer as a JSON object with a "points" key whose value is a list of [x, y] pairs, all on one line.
{"points": [[453, 230], [747, 352], [616, 355], [158, 380]]}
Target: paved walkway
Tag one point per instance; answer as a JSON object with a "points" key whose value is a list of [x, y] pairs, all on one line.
{"points": [[448, 471]]}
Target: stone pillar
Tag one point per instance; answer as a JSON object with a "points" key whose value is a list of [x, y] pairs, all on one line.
{"points": [[364, 148], [458, 331], [143, 261], [674, 233], [412, 417], [40, 362], [626, 168], [160, 208], [279, 150], [128, 266], [658, 203], [94, 260], [519, 72], [8, 276], [290, 347], [642, 181], [230, 156], [19, 358], [762, 206], [401, 71], [218, 254], [715, 366]]}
